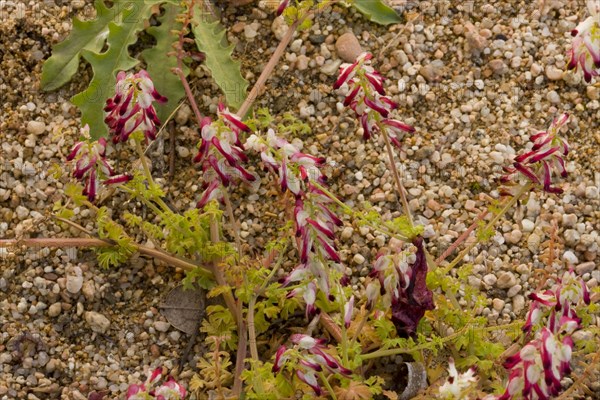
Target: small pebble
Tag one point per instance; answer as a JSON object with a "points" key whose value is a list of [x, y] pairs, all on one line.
{"points": [[96, 321], [570, 257], [348, 47], [506, 280], [358, 259], [55, 309], [490, 279], [161, 326], [36, 127]]}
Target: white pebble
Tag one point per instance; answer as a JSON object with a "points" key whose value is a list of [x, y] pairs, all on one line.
{"points": [[527, 225], [36, 127], [570, 257], [358, 259], [96, 321]]}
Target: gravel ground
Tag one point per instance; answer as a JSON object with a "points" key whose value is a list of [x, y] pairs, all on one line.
{"points": [[475, 79]]}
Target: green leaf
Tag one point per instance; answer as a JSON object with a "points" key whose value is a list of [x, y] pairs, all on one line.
{"points": [[210, 39], [377, 11], [105, 65], [159, 65], [86, 35]]}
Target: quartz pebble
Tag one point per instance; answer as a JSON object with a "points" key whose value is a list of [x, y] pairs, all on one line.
{"points": [[585, 267], [54, 310], [348, 47], [518, 304], [97, 322], [161, 326], [553, 73], [36, 127], [498, 304], [506, 280], [570, 257], [490, 279], [358, 259]]}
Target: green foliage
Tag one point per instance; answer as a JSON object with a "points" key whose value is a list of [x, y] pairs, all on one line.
{"points": [[124, 246], [86, 35], [262, 384], [483, 234], [122, 33], [210, 39], [219, 322], [116, 28], [198, 276], [292, 125], [377, 11], [298, 10], [159, 64], [402, 225], [261, 119], [74, 191]]}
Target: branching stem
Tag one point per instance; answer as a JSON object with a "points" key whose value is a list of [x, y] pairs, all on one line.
{"points": [[396, 175]]}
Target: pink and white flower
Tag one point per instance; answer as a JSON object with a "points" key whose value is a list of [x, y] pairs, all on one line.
{"points": [[309, 356], [131, 108], [363, 87], [585, 50], [169, 390], [538, 368], [221, 155], [543, 160], [91, 165]]}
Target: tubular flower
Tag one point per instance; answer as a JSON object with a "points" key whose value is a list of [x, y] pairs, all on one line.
{"points": [[315, 224], [309, 356], [314, 220], [536, 371], [544, 159], [91, 165], [458, 385], [363, 87], [295, 169], [131, 108], [585, 52], [221, 155], [562, 300], [169, 390]]}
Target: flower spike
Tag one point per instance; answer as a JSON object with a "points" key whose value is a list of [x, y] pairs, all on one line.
{"points": [[131, 109]]}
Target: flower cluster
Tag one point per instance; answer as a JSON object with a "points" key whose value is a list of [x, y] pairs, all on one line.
{"points": [[91, 165], [221, 154], [365, 94], [310, 356], [168, 390], [400, 280], [314, 220], [315, 223], [585, 52], [544, 159], [295, 169], [131, 108], [458, 385], [537, 369]]}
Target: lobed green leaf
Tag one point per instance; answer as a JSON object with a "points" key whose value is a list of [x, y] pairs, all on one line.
{"points": [[210, 39]]}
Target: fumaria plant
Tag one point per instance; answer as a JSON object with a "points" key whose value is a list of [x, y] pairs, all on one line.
{"points": [[335, 336]]}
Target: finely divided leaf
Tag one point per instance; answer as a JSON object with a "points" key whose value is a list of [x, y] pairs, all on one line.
{"points": [[86, 35], [377, 11], [159, 65], [210, 39], [105, 66]]}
